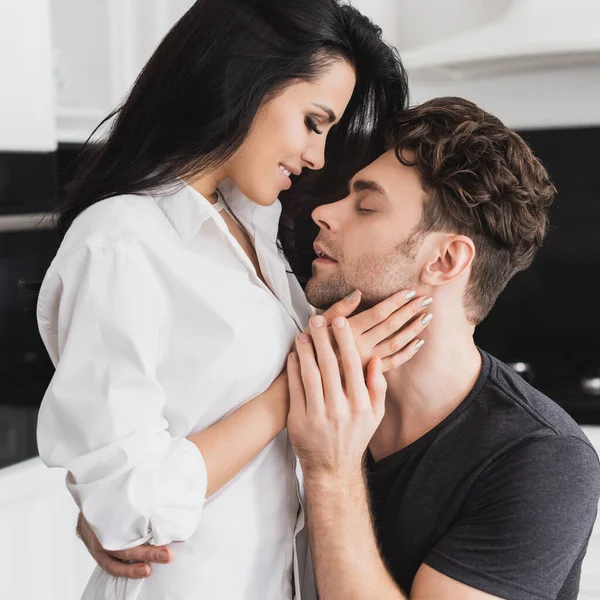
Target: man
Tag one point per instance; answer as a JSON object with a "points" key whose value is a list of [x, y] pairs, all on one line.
{"points": [[475, 485], [479, 485]]}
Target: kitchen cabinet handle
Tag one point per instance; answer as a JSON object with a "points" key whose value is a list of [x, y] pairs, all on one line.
{"points": [[27, 222]]}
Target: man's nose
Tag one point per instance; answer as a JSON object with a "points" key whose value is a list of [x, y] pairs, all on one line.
{"points": [[324, 216]]}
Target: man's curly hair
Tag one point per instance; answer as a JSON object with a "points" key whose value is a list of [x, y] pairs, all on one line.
{"points": [[481, 180]]}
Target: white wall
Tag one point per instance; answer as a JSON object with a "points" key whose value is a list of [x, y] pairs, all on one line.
{"points": [[26, 86]]}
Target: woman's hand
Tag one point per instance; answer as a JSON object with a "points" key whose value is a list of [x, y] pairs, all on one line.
{"points": [[131, 563], [388, 330], [331, 420]]}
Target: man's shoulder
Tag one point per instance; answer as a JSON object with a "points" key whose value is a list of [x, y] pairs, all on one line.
{"points": [[532, 475], [504, 416], [523, 410]]}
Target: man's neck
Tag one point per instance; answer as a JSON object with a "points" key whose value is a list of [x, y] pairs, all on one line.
{"points": [[424, 391]]}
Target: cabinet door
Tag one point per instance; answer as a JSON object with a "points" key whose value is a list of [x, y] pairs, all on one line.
{"points": [[590, 572], [41, 558], [99, 49], [26, 89]]}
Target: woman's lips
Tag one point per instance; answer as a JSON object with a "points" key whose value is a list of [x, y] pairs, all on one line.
{"points": [[285, 176]]}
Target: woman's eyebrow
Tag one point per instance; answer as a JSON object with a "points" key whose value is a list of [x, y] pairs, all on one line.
{"points": [[327, 110]]}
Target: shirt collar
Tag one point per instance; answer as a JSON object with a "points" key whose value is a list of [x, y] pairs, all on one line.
{"points": [[261, 221], [187, 210]]}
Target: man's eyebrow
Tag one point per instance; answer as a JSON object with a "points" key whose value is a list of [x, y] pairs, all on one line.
{"points": [[368, 185], [326, 110]]}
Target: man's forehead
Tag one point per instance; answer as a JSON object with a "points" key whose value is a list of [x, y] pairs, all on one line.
{"points": [[387, 172]]}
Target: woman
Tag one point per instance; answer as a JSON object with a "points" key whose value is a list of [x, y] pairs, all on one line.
{"points": [[169, 309]]}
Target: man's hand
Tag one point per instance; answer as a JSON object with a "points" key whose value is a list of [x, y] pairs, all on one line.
{"points": [[387, 329], [331, 423], [124, 563]]}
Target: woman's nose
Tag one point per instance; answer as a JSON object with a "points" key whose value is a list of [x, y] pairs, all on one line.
{"points": [[314, 157]]}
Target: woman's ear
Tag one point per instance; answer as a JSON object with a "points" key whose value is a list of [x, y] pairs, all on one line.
{"points": [[451, 256]]}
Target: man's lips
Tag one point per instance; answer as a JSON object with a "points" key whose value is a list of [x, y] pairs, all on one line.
{"points": [[321, 252]]}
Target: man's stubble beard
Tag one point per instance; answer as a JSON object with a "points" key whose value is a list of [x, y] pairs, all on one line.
{"points": [[377, 278], [322, 294]]}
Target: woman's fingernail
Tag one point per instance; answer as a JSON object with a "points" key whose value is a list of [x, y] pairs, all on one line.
{"points": [[419, 344], [163, 555], [410, 295], [426, 319], [339, 322], [317, 321], [293, 357], [426, 301], [142, 571], [303, 338], [351, 297]]}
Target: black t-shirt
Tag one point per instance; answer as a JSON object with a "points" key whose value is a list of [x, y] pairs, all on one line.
{"points": [[502, 495]]}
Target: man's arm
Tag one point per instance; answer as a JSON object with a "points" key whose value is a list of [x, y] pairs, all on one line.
{"points": [[330, 425], [346, 558], [430, 584]]}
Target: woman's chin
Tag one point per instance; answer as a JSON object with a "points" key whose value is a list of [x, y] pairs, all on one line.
{"points": [[261, 197], [265, 199]]}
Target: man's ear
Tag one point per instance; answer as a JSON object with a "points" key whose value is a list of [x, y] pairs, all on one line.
{"points": [[451, 256]]}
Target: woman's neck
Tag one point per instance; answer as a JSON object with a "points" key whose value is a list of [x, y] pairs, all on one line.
{"points": [[206, 185]]}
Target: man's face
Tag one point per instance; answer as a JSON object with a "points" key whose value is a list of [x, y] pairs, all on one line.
{"points": [[369, 236]]}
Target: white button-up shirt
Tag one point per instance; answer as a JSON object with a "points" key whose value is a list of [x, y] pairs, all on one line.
{"points": [[159, 326]]}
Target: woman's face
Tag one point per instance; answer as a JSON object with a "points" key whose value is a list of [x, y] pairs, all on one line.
{"points": [[289, 134]]}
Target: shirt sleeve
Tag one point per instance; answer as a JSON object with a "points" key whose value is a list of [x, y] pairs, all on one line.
{"points": [[526, 522], [102, 312]]}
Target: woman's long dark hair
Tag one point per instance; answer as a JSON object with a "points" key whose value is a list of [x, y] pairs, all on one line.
{"points": [[194, 102]]}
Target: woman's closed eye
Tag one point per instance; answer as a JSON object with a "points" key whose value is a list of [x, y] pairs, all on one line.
{"points": [[311, 124]]}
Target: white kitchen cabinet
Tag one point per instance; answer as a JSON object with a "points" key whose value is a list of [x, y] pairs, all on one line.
{"points": [[40, 556], [99, 49], [564, 92], [590, 574], [408, 25], [101, 45], [26, 90]]}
